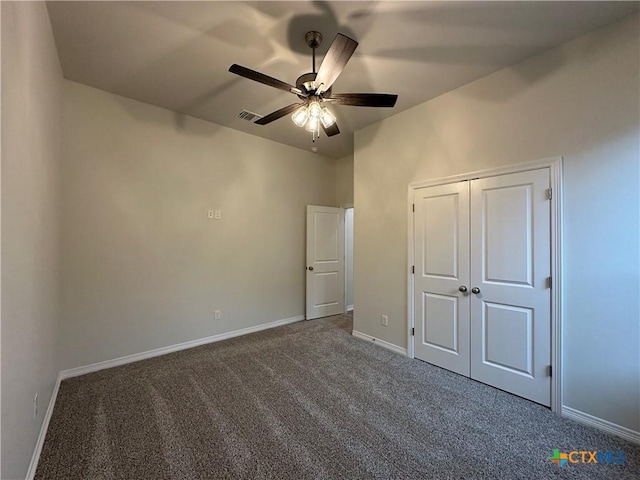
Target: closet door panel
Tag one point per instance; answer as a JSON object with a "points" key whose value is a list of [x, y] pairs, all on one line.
{"points": [[442, 266], [510, 268]]}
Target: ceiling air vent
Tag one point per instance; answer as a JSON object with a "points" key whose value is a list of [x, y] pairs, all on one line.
{"points": [[249, 116]]}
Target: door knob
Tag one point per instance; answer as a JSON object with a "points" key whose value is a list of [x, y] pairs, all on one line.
{"points": [[475, 290], [311, 268], [462, 288]]}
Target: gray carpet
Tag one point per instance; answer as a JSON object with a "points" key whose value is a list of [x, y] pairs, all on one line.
{"points": [[306, 401]]}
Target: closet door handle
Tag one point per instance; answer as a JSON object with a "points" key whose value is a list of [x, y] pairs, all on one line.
{"points": [[311, 269], [462, 288], [475, 290]]}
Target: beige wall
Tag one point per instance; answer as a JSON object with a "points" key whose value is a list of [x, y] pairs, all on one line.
{"points": [[143, 267], [580, 101], [31, 106], [344, 181]]}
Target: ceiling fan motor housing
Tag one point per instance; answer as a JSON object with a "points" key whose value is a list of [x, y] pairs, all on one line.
{"points": [[305, 82]]}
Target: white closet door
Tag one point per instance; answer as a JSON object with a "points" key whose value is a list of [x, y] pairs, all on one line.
{"points": [[510, 265], [441, 267]]}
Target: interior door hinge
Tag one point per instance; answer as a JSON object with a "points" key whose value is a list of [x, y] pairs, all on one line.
{"points": [[550, 282], [550, 370], [413, 331], [413, 269], [550, 193], [413, 207]]}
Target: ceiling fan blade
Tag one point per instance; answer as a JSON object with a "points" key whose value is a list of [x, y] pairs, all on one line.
{"points": [[363, 99], [262, 78], [331, 130], [279, 114], [334, 61]]}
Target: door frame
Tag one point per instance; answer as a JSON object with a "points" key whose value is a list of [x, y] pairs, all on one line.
{"points": [[555, 169]]}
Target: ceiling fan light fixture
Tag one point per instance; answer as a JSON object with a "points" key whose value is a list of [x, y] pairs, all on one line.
{"points": [[300, 116], [315, 110], [313, 124], [327, 118]]}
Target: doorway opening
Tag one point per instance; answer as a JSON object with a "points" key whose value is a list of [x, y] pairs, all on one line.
{"points": [[348, 259]]}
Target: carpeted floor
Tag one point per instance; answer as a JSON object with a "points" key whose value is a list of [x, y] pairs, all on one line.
{"points": [[305, 401]]}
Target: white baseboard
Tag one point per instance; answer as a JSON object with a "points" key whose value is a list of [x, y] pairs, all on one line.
{"points": [[94, 367], [75, 372], [600, 424], [382, 343], [31, 472], [349, 308]]}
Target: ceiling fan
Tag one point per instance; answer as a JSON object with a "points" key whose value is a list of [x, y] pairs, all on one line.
{"points": [[314, 88]]}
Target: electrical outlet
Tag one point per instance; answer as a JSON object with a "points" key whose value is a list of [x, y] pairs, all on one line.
{"points": [[35, 406], [210, 214], [217, 315], [217, 214], [384, 320]]}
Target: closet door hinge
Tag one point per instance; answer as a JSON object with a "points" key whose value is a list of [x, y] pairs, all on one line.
{"points": [[550, 282], [413, 331], [549, 193], [413, 269], [550, 370], [413, 207]]}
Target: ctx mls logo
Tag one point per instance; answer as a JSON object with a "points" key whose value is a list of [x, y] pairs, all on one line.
{"points": [[584, 456], [558, 458]]}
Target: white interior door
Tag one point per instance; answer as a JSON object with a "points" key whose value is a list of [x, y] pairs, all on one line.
{"points": [[441, 268], [325, 261], [511, 267]]}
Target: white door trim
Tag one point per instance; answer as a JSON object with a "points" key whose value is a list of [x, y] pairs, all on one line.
{"points": [[555, 169]]}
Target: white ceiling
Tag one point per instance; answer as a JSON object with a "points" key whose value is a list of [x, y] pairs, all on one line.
{"points": [[177, 54]]}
